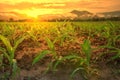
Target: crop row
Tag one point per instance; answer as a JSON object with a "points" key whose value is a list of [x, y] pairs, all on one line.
{"points": [[89, 37]]}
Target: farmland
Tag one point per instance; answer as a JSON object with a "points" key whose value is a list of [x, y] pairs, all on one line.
{"points": [[60, 50]]}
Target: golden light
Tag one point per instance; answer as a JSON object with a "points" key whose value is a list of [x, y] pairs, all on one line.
{"points": [[33, 12], [36, 8], [37, 12]]}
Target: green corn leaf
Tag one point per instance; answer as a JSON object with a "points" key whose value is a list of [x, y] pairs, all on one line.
{"points": [[15, 68], [1, 59], [6, 43], [116, 56], [40, 56], [48, 67], [20, 40], [64, 58], [32, 35], [55, 40], [116, 38], [111, 25], [86, 48], [76, 70], [56, 64], [5, 53], [63, 37], [50, 43], [71, 57]]}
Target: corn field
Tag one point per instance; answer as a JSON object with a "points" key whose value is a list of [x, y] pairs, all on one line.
{"points": [[84, 46]]}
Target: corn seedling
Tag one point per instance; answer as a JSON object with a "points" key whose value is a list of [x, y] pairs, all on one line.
{"points": [[62, 59], [9, 51], [84, 63], [40, 56], [86, 48], [51, 46]]}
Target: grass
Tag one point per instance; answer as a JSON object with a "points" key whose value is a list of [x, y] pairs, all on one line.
{"points": [[59, 38]]}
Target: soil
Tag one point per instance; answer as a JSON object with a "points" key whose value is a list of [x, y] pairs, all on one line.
{"points": [[100, 69]]}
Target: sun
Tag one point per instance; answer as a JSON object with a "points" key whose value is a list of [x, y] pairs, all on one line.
{"points": [[35, 13], [32, 13]]}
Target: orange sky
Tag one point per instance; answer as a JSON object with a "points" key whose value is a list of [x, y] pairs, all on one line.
{"points": [[35, 8]]}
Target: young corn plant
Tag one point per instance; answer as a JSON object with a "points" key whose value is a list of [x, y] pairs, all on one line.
{"points": [[7, 30], [109, 34], [9, 52], [117, 55], [64, 58], [33, 37], [86, 48], [1, 60], [42, 54], [62, 39], [1, 63], [84, 63], [115, 48], [51, 45], [112, 37], [3, 75]]}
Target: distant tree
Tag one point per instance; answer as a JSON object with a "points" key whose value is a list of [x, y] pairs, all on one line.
{"points": [[22, 20], [11, 19], [2, 20]]}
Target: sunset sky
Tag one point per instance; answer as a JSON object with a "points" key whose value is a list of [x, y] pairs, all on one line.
{"points": [[40, 7]]}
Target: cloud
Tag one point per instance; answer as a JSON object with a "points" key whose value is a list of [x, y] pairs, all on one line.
{"points": [[37, 1], [54, 4], [92, 5], [26, 5]]}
